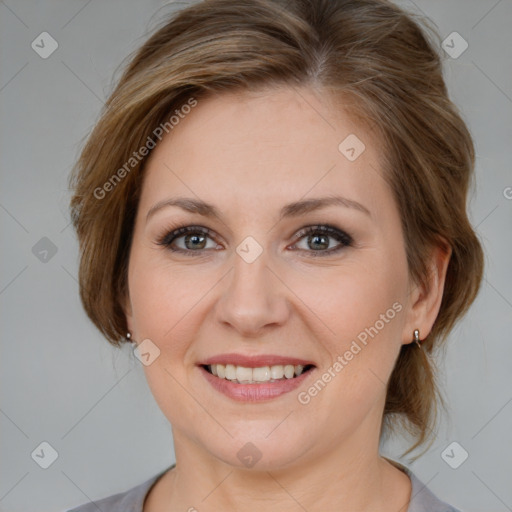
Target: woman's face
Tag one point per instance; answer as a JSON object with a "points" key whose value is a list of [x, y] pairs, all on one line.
{"points": [[257, 296]]}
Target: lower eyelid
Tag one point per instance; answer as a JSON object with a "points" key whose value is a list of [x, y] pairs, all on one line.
{"points": [[344, 240]]}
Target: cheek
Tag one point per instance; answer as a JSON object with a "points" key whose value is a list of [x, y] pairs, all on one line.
{"points": [[163, 309], [354, 296], [161, 293], [361, 307], [161, 300], [363, 311]]}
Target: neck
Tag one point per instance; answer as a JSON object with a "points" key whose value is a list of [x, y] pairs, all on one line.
{"points": [[344, 479]]}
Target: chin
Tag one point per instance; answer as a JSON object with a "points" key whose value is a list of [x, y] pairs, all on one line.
{"points": [[257, 450]]}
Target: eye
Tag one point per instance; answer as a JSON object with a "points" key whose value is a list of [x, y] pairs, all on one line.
{"points": [[318, 238], [194, 240]]}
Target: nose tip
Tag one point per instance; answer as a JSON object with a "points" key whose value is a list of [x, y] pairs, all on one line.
{"points": [[253, 299]]}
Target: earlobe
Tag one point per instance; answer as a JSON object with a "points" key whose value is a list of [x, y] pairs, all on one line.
{"points": [[127, 308], [427, 297]]}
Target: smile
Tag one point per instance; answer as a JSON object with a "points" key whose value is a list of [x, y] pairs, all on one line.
{"points": [[255, 378], [246, 375]]}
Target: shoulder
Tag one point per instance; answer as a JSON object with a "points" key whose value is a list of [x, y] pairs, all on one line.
{"points": [[131, 500], [424, 500]]}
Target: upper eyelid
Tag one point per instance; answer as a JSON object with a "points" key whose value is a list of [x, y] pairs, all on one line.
{"points": [[299, 234]]}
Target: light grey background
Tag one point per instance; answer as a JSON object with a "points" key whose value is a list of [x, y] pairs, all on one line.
{"points": [[60, 380]]}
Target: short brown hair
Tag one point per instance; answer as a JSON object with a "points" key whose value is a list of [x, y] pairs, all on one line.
{"points": [[368, 51]]}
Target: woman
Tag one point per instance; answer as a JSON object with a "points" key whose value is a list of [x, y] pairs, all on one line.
{"points": [[272, 209]]}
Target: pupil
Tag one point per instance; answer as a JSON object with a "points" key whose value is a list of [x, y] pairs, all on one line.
{"points": [[194, 239], [324, 245]]}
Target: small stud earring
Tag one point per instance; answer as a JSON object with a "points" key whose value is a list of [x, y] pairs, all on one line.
{"points": [[417, 337], [129, 338]]}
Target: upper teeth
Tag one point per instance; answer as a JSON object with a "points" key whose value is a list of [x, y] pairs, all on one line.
{"points": [[252, 375]]}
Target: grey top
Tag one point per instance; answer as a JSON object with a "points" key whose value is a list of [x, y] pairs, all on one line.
{"points": [[132, 500]]}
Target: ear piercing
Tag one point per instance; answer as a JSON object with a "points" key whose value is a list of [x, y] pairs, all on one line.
{"points": [[417, 337]]}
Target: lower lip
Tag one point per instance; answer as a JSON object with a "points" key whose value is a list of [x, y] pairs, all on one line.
{"points": [[254, 392]]}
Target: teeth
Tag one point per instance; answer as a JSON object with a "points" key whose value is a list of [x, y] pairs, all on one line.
{"points": [[242, 374], [230, 372], [261, 374], [289, 371], [277, 372]]}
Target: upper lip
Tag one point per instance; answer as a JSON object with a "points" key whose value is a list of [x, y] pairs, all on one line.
{"points": [[255, 361]]}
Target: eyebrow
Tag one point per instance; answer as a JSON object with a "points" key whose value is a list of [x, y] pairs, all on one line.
{"points": [[294, 209]]}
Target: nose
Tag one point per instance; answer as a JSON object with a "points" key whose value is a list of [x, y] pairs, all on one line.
{"points": [[254, 299]]}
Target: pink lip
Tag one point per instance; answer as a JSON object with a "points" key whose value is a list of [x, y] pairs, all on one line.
{"points": [[253, 392], [254, 361]]}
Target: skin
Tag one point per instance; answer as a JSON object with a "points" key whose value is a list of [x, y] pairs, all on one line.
{"points": [[249, 154]]}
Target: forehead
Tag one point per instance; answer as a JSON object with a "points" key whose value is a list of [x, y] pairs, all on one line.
{"points": [[272, 145]]}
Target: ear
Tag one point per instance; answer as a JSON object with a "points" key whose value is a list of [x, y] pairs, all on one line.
{"points": [[425, 300], [127, 309]]}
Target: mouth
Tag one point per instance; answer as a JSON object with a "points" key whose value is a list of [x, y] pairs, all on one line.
{"points": [[255, 378], [258, 375]]}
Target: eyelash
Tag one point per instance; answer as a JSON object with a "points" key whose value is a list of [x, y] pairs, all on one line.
{"points": [[345, 240]]}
